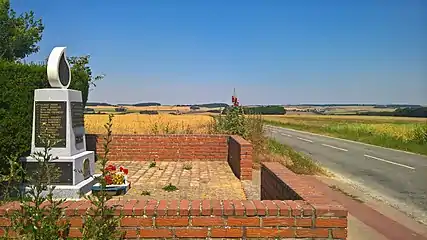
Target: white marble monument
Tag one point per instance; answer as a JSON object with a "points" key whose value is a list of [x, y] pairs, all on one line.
{"points": [[58, 116]]}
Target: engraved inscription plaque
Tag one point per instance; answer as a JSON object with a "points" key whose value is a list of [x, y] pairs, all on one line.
{"points": [[50, 123], [65, 169], [77, 117]]}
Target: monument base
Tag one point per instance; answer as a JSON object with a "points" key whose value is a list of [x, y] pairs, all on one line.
{"points": [[76, 174], [70, 192], [73, 169]]}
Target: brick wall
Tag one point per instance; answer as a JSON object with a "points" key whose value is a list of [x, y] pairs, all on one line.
{"points": [[179, 147], [278, 182], [240, 157], [210, 219], [171, 147]]}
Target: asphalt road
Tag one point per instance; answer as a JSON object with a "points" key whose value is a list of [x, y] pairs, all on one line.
{"points": [[396, 176]]}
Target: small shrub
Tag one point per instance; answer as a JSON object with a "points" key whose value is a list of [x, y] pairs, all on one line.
{"points": [[251, 127], [11, 180], [145, 193], [100, 223], [152, 164], [188, 166], [170, 188], [40, 216]]}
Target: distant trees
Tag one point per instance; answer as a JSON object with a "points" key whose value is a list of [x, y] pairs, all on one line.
{"points": [[263, 110], [400, 112], [147, 104], [149, 112], [121, 109]]}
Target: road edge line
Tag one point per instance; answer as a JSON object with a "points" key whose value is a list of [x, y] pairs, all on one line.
{"points": [[352, 141]]}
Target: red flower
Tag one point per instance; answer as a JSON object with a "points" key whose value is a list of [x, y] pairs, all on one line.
{"points": [[125, 171], [108, 179], [121, 168], [110, 168]]}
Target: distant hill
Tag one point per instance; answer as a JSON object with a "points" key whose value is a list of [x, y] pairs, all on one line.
{"points": [[143, 104], [98, 104], [204, 105], [147, 104], [212, 105]]}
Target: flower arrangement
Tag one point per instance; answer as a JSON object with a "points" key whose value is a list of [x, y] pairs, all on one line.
{"points": [[114, 176]]}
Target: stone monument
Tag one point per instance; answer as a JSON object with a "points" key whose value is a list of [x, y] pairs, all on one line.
{"points": [[58, 116]]}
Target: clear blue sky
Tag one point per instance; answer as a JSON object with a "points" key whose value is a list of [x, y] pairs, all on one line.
{"points": [[273, 52]]}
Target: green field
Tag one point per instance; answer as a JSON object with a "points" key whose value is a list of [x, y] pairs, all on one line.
{"points": [[408, 134]]}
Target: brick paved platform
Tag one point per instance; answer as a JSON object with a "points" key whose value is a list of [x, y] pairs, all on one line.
{"points": [[195, 180]]}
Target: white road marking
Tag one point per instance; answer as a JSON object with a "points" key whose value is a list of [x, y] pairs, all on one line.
{"points": [[394, 163], [342, 149], [287, 135], [273, 131], [351, 141], [307, 140]]}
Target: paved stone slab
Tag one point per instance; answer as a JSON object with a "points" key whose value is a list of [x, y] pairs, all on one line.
{"points": [[194, 180]]}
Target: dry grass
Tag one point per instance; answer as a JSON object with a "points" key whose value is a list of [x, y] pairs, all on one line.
{"points": [[150, 124]]}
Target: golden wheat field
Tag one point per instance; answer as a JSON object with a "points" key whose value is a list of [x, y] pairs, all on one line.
{"points": [[149, 124], [149, 108]]}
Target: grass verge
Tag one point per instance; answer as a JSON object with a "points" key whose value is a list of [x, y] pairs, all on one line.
{"points": [[365, 137], [251, 127], [295, 161]]}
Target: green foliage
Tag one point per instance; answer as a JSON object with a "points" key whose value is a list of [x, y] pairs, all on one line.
{"points": [[40, 216], [265, 110], [250, 127], [400, 112], [145, 193], [259, 110], [299, 163], [17, 84], [152, 164], [101, 223], [170, 188], [232, 123], [19, 35], [11, 180], [420, 133]]}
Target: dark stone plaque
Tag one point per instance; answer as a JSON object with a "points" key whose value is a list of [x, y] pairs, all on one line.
{"points": [[50, 123], [65, 168], [77, 117]]}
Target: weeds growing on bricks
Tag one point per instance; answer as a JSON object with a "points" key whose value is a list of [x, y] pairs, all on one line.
{"points": [[100, 222], [40, 216]]}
